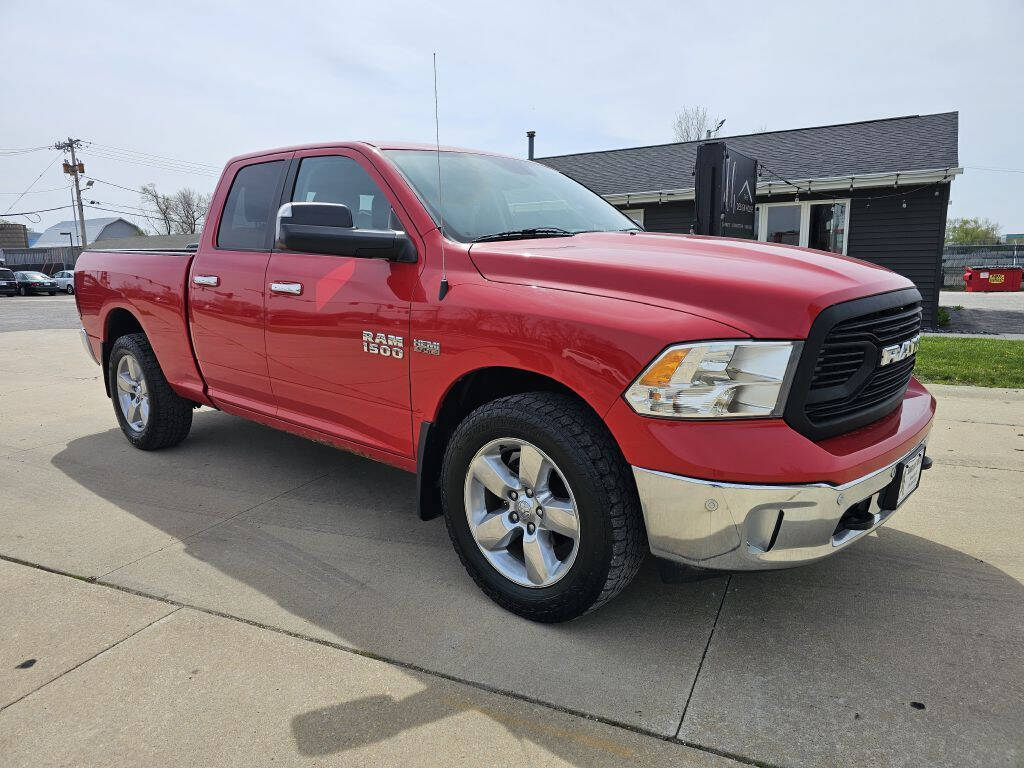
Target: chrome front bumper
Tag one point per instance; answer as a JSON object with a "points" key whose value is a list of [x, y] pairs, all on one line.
{"points": [[734, 527]]}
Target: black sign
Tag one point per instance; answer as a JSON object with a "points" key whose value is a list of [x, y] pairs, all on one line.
{"points": [[726, 186]]}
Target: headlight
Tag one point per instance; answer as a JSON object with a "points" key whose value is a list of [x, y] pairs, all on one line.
{"points": [[716, 379]]}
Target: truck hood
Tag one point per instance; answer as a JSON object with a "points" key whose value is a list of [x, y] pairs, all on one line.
{"points": [[762, 289]]}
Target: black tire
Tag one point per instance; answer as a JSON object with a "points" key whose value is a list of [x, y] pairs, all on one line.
{"points": [[170, 416], [612, 543], [23, 291], [70, 290], [52, 293]]}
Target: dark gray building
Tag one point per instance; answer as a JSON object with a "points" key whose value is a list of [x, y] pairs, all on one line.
{"points": [[877, 190]]}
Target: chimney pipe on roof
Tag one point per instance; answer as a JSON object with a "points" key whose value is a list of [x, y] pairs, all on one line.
{"points": [[529, 146]]}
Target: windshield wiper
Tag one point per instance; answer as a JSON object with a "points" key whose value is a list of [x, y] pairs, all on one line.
{"points": [[525, 233]]}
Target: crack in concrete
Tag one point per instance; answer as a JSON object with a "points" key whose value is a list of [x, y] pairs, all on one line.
{"points": [[94, 656], [743, 759], [703, 656]]}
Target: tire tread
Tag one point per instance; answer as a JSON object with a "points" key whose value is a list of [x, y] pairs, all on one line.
{"points": [[582, 432], [170, 417]]}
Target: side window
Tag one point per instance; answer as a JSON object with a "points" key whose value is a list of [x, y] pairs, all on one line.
{"points": [[249, 209], [334, 179]]}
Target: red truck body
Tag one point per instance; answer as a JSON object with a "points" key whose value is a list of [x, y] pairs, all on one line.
{"points": [[585, 314]]}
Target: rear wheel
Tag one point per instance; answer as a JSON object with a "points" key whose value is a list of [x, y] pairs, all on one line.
{"points": [[23, 291], [541, 506], [70, 289], [52, 293], [151, 415]]}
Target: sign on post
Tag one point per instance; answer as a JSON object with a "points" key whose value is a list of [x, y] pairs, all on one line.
{"points": [[725, 191]]}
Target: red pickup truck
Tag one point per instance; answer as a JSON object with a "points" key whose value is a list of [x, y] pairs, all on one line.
{"points": [[569, 389]]}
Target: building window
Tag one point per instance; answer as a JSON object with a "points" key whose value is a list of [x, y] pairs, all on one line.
{"points": [[819, 224], [636, 214]]}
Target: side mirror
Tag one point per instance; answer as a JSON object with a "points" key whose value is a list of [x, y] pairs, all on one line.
{"points": [[327, 228]]}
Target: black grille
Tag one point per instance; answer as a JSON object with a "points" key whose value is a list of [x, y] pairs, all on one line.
{"points": [[839, 385]]}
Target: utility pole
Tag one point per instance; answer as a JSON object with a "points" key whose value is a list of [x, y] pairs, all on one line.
{"points": [[74, 168]]}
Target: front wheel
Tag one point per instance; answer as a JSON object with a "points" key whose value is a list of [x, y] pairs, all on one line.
{"points": [[541, 506], [150, 413]]}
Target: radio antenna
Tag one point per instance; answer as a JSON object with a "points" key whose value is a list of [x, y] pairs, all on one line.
{"points": [[440, 199]]}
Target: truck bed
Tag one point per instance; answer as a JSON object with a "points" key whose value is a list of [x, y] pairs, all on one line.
{"points": [[153, 286]]}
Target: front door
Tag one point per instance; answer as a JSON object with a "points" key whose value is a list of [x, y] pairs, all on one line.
{"points": [[227, 285], [338, 326]]}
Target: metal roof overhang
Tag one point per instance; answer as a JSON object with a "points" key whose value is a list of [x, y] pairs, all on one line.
{"points": [[896, 179]]}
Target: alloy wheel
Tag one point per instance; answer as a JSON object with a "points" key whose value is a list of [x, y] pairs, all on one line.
{"points": [[132, 393], [522, 513]]}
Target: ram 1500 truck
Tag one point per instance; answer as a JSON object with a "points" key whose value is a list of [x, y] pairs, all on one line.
{"points": [[570, 390]]}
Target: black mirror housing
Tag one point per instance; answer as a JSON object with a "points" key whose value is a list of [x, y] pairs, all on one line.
{"points": [[327, 228]]}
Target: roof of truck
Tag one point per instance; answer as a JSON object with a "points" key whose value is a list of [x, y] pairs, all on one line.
{"points": [[372, 144]]}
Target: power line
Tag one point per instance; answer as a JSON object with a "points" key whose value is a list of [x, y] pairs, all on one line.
{"points": [[158, 165], [130, 207], [25, 151], [41, 210], [112, 184], [37, 191], [211, 166], [8, 211]]}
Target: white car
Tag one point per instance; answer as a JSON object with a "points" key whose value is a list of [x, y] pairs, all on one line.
{"points": [[66, 280]]}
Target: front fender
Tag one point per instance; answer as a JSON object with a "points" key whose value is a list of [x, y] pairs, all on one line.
{"points": [[593, 345]]}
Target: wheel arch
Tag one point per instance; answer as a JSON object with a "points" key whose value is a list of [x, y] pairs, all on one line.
{"points": [[119, 321], [465, 394]]}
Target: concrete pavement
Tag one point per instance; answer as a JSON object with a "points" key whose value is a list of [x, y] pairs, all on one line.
{"points": [[284, 553]]}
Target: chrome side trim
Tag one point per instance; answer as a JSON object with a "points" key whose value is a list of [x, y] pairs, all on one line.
{"points": [[87, 345], [734, 526]]}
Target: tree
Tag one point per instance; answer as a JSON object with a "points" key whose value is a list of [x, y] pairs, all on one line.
{"points": [[179, 214], [971, 231], [693, 124], [160, 209], [190, 209]]}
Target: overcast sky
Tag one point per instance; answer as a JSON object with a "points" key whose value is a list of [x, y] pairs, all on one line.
{"points": [[200, 82]]}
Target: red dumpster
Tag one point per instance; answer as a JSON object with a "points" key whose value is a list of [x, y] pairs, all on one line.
{"points": [[993, 278]]}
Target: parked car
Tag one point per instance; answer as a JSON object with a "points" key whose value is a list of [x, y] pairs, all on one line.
{"points": [[65, 280], [35, 282], [569, 390], [8, 282]]}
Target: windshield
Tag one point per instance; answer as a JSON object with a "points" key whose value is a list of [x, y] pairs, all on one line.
{"points": [[33, 276], [486, 195]]}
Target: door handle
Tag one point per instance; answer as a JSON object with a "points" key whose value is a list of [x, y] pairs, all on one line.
{"points": [[206, 280], [295, 289]]}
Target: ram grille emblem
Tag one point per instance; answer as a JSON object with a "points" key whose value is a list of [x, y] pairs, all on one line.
{"points": [[897, 352]]}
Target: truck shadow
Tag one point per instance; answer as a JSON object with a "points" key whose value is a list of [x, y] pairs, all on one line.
{"points": [[343, 557]]}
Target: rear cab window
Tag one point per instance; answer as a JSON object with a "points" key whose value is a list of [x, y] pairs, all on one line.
{"points": [[246, 222]]}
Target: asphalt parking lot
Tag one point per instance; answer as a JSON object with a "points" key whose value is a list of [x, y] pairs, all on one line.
{"points": [[250, 597]]}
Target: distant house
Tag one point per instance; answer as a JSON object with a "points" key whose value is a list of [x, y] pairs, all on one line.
{"points": [[877, 190], [104, 228]]}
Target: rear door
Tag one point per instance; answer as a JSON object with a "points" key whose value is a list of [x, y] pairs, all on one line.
{"points": [[338, 326], [227, 286]]}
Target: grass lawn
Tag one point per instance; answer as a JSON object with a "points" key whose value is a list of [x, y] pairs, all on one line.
{"points": [[982, 362]]}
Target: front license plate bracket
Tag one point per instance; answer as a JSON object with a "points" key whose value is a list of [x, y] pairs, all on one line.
{"points": [[905, 482]]}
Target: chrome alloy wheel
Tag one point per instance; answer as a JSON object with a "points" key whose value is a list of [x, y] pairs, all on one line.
{"points": [[132, 393], [522, 513]]}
